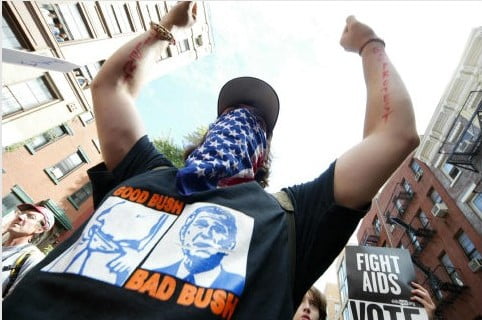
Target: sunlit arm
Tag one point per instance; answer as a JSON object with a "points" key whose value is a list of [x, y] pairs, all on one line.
{"points": [[114, 90], [119, 81], [389, 134]]}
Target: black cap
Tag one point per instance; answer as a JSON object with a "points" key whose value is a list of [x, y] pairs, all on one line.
{"points": [[253, 92]]}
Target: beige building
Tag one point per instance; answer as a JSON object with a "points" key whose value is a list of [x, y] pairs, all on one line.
{"points": [[49, 137], [333, 303], [451, 145]]}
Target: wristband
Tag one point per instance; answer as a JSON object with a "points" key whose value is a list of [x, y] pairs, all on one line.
{"points": [[371, 40], [162, 33]]}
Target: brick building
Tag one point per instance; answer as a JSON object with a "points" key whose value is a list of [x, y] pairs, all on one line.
{"points": [[432, 205], [49, 136]]}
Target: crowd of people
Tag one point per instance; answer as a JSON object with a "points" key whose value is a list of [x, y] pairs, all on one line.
{"points": [[206, 241]]}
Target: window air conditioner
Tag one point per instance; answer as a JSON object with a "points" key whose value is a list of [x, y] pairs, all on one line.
{"points": [[475, 264], [439, 210]]}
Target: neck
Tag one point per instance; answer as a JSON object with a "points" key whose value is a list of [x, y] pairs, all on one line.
{"points": [[17, 241]]}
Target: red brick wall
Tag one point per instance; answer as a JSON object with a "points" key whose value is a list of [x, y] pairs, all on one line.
{"points": [[467, 305]]}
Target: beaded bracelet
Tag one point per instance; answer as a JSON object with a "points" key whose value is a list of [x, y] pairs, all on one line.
{"points": [[371, 40], [163, 33]]}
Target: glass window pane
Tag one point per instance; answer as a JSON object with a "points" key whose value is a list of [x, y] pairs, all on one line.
{"points": [[9, 103], [9, 40], [477, 201], [38, 141], [113, 23], [40, 90], [24, 96], [9, 203], [71, 19], [67, 165]]}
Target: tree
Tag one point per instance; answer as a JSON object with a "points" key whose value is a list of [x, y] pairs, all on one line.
{"points": [[170, 151], [175, 153]]}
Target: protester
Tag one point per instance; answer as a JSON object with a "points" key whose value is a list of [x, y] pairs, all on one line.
{"points": [[312, 307], [19, 255], [135, 180]]}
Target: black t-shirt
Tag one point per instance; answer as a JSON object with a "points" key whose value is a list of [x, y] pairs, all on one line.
{"points": [[150, 253]]}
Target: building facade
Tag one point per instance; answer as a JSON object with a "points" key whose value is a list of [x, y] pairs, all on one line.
{"points": [[332, 295], [432, 205], [49, 136]]}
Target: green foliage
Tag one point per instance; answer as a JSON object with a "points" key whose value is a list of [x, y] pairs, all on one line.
{"points": [[195, 137], [175, 153], [170, 150]]}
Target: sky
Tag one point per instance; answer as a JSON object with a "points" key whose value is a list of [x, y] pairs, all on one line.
{"points": [[294, 46]]}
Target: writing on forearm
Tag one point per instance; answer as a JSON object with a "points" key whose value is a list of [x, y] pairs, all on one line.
{"points": [[134, 58], [381, 57]]}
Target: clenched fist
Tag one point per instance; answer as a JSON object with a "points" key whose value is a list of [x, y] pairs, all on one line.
{"points": [[355, 35], [182, 15]]}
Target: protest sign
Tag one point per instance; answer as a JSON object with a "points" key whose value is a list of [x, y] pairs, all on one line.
{"points": [[378, 282]]}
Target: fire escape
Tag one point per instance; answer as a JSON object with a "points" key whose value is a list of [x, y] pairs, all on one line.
{"points": [[443, 288], [416, 237], [465, 152]]}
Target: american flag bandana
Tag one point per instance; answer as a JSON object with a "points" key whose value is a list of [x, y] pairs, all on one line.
{"points": [[234, 149]]}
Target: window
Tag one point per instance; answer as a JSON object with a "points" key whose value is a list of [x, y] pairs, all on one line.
{"points": [[346, 313], [416, 243], [184, 45], [342, 282], [9, 39], [47, 137], [63, 168], [66, 21], [118, 18], [450, 170], [468, 246], [152, 12], [476, 202], [401, 206], [468, 141], [416, 168], [435, 196], [81, 195], [25, 95], [15, 197], [85, 74], [377, 226], [422, 216], [86, 117], [450, 269], [407, 187], [9, 203]]}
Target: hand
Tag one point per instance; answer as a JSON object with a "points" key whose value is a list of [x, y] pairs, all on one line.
{"points": [[421, 295], [355, 34], [182, 15]]}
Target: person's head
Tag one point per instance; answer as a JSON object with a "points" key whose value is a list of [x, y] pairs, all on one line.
{"points": [[312, 307], [30, 220], [207, 236], [262, 101]]}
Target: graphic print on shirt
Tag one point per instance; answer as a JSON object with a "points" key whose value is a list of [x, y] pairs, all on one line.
{"points": [[188, 254], [208, 246], [114, 242]]}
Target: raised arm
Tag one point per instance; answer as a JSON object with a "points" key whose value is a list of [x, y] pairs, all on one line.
{"points": [[389, 130], [119, 81]]}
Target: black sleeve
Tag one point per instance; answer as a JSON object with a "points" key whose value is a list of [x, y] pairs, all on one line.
{"points": [[322, 228], [141, 158]]}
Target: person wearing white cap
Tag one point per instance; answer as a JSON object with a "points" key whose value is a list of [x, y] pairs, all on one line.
{"points": [[110, 269], [19, 255]]}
